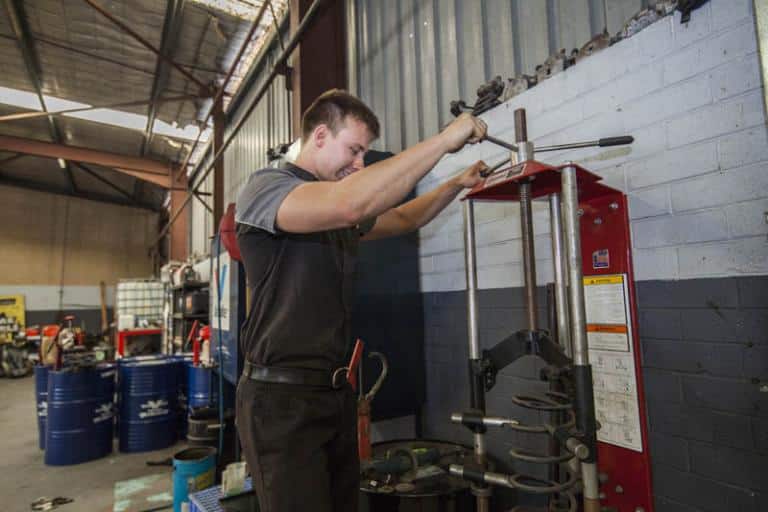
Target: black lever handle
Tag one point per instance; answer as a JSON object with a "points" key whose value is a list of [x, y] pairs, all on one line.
{"points": [[616, 141]]}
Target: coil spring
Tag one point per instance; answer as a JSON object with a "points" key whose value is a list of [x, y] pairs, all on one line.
{"points": [[564, 499]]}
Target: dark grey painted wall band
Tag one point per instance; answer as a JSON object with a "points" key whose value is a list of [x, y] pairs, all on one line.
{"points": [[704, 346]]}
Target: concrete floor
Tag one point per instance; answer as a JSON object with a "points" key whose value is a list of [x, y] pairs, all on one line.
{"points": [[25, 477]]}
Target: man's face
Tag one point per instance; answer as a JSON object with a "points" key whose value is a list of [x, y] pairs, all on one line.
{"points": [[342, 154]]}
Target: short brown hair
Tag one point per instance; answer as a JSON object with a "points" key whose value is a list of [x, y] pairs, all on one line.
{"points": [[331, 107]]}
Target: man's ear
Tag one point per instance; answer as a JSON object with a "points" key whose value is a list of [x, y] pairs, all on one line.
{"points": [[320, 135]]}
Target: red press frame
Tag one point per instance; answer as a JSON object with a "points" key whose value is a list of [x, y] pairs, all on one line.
{"points": [[628, 471]]}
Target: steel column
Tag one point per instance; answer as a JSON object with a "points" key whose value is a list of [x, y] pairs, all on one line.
{"points": [[561, 276]]}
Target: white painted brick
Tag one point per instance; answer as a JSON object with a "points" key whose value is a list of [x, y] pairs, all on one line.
{"points": [[648, 141], [486, 211], [541, 223], [649, 203], [500, 254], [743, 148], [707, 54], [667, 103], [440, 244], [657, 40], [656, 263], [672, 165], [511, 274], [721, 188], [748, 219], [500, 276], [703, 226], [617, 93], [613, 177], [736, 77], [449, 261], [443, 224], [734, 257], [729, 12], [555, 120], [426, 264], [718, 119], [497, 231], [698, 27]]}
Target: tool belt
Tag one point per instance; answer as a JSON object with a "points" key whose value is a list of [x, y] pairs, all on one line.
{"points": [[335, 379]]}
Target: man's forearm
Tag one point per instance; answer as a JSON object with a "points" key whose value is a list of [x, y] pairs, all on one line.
{"points": [[379, 187], [424, 208]]}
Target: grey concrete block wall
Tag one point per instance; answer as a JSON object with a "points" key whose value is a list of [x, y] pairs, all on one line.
{"points": [[704, 345]]}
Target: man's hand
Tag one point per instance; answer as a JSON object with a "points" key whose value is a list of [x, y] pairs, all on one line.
{"points": [[464, 129], [470, 176]]}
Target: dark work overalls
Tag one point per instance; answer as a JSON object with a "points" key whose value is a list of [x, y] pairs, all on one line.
{"points": [[297, 427]]}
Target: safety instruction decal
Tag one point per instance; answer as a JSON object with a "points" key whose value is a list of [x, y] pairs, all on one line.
{"points": [[611, 354]]}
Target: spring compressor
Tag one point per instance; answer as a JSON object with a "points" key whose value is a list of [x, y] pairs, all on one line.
{"points": [[569, 403]]}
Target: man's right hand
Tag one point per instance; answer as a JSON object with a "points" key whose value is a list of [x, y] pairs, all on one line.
{"points": [[465, 129]]}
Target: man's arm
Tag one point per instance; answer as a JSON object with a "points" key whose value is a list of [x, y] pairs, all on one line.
{"points": [[321, 206], [418, 212]]}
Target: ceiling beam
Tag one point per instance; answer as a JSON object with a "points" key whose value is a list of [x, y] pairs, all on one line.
{"points": [[144, 42], [24, 40], [105, 181], [40, 187], [143, 168], [174, 14]]}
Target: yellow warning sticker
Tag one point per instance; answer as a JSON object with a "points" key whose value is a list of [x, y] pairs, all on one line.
{"points": [[595, 280]]}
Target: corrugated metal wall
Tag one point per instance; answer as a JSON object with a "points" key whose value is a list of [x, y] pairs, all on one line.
{"points": [[411, 58], [267, 126]]}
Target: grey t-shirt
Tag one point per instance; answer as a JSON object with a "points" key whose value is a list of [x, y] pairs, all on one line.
{"points": [[301, 285]]}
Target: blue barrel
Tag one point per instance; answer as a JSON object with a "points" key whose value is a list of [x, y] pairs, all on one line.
{"points": [[41, 399], [194, 469], [149, 401], [186, 360], [202, 391], [80, 415]]}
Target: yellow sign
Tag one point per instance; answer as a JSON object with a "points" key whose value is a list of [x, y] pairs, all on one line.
{"points": [[11, 316], [590, 281]]}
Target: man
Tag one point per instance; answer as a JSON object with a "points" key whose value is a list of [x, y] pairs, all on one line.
{"points": [[298, 230]]}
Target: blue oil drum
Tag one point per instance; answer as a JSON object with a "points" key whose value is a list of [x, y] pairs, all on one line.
{"points": [[80, 415], [186, 360], [41, 400], [203, 391], [194, 469], [149, 403]]}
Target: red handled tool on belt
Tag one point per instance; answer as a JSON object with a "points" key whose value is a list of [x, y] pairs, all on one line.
{"points": [[354, 361], [364, 410]]}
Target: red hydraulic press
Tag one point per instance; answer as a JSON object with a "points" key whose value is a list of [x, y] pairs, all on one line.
{"points": [[598, 457]]}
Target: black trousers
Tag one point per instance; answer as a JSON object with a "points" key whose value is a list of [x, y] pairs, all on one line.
{"points": [[300, 443]]}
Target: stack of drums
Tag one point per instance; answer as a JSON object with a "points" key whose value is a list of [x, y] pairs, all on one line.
{"points": [[41, 399], [80, 414], [149, 402]]}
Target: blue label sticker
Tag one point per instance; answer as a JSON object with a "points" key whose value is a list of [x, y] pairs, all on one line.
{"points": [[601, 259]]}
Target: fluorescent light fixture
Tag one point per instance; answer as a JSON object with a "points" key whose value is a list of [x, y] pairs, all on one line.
{"points": [[62, 163]]}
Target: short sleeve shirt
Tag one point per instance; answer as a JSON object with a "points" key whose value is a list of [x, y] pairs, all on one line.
{"points": [[301, 285]]}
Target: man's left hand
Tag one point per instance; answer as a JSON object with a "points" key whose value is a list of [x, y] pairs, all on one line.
{"points": [[470, 176]]}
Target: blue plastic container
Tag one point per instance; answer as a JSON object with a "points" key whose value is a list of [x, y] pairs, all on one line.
{"points": [[80, 415], [194, 469], [149, 403], [201, 390], [41, 399]]}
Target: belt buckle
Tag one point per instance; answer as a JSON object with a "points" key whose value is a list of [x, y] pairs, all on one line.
{"points": [[334, 377]]}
